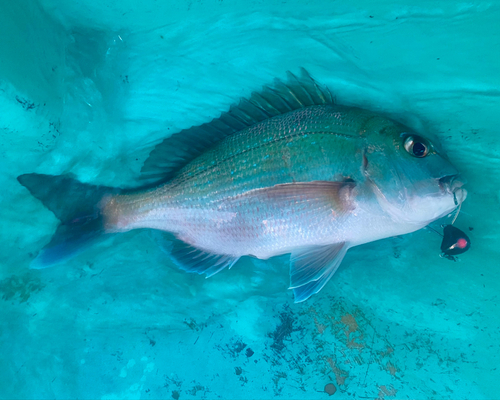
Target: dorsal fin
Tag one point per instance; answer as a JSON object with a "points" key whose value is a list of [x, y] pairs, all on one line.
{"points": [[176, 151]]}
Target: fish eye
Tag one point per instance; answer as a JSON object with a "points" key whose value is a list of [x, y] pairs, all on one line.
{"points": [[416, 146]]}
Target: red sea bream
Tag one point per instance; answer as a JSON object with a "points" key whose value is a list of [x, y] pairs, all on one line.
{"points": [[286, 171]]}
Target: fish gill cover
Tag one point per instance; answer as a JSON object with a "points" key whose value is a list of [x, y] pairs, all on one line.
{"points": [[89, 89]]}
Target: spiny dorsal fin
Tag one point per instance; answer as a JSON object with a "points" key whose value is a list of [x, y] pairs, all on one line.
{"points": [[175, 152]]}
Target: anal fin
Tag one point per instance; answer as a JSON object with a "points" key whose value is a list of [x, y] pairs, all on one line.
{"points": [[312, 267], [192, 259]]}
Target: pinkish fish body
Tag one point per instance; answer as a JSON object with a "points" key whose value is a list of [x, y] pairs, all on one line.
{"points": [[287, 171]]}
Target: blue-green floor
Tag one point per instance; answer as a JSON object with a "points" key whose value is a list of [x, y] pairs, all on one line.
{"points": [[88, 88]]}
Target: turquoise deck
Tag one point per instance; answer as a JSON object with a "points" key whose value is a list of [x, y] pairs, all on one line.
{"points": [[88, 87]]}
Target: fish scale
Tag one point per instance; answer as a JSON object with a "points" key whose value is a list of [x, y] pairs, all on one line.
{"points": [[273, 154]]}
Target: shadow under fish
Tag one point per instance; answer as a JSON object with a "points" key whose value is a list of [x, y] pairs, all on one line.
{"points": [[285, 171]]}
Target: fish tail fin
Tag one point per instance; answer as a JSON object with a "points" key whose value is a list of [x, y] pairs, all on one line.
{"points": [[77, 205]]}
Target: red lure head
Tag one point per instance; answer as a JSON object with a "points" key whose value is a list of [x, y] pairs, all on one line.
{"points": [[454, 241]]}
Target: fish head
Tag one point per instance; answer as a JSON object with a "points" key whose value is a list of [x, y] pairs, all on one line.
{"points": [[411, 177]]}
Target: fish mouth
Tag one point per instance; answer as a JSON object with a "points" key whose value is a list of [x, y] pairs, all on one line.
{"points": [[452, 184]]}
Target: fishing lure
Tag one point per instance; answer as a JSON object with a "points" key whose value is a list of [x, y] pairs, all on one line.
{"points": [[455, 242]]}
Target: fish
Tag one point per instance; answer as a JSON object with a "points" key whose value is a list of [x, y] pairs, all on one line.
{"points": [[286, 170]]}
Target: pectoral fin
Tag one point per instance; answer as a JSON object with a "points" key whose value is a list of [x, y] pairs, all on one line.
{"points": [[325, 198], [312, 267]]}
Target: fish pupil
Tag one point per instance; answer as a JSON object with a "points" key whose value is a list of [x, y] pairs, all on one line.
{"points": [[419, 149]]}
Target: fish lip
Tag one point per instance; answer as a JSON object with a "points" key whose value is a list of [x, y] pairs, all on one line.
{"points": [[451, 183]]}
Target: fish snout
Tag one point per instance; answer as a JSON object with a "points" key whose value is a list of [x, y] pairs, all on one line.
{"points": [[452, 184]]}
